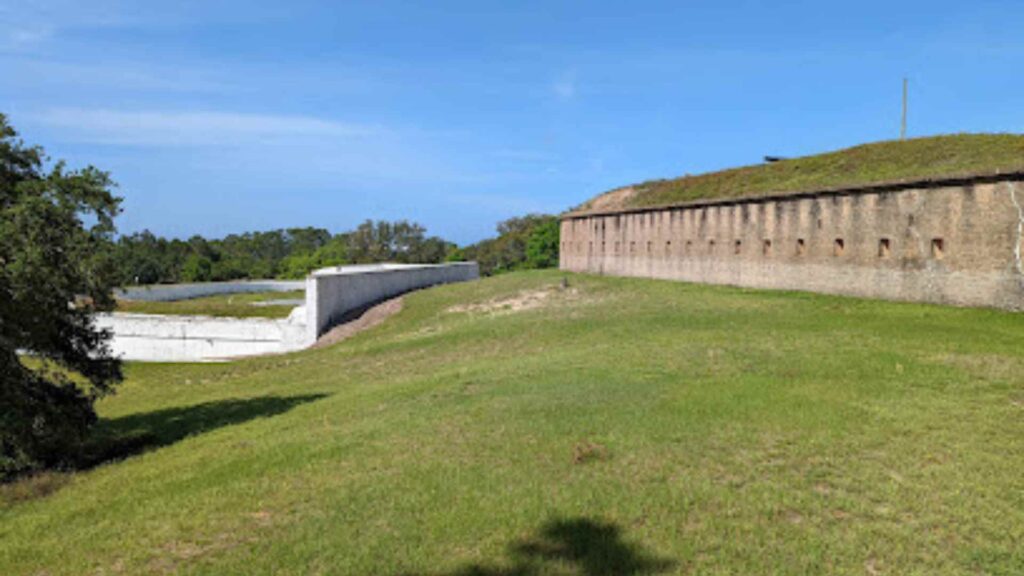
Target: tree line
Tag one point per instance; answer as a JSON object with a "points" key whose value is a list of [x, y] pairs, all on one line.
{"points": [[144, 258]]}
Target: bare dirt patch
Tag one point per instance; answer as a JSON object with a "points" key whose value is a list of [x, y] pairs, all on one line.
{"points": [[32, 487], [611, 200], [519, 302], [526, 300], [369, 318]]}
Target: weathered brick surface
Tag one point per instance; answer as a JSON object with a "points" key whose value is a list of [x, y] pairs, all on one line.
{"points": [[953, 244]]}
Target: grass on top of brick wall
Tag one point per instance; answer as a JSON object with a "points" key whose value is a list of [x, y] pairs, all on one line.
{"points": [[890, 161]]}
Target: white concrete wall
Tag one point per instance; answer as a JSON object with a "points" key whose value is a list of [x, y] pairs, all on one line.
{"points": [[333, 292], [165, 338]]}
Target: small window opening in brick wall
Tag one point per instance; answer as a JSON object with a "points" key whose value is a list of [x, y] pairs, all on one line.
{"points": [[668, 248], [801, 247], [648, 246], [602, 247], [838, 247], [737, 247], [632, 247], [884, 248], [711, 246], [590, 247], [938, 248], [689, 247], [766, 248]]}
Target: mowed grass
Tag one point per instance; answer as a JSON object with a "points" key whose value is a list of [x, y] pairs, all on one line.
{"points": [[223, 305], [622, 426], [914, 159]]}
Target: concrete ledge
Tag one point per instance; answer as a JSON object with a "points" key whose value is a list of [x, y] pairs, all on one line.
{"points": [[165, 338]]}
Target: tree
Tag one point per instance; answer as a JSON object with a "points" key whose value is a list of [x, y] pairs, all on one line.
{"points": [[400, 241], [542, 245], [197, 269], [56, 269], [509, 250]]}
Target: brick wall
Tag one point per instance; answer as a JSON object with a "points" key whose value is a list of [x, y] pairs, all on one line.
{"points": [[954, 243]]}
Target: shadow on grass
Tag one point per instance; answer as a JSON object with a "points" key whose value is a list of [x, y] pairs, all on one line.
{"points": [[119, 438], [573, 546]]}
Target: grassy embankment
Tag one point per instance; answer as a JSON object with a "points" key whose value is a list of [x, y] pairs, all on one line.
{"points": [[224, 305], [624, 426], [914, 159]]}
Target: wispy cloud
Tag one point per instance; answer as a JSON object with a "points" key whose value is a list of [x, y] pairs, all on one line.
{"points": [[565, 87], [17, 39], [523, 155], [28, 73], [173, 128], [505, 204]]}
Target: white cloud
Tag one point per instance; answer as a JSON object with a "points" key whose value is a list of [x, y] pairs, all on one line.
{"points": [[23, 38], [565, 87], [32, 73], [171, 128]]}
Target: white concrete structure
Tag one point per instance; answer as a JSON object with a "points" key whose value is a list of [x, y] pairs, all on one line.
{"points": [[166, 338], [331, 294]]}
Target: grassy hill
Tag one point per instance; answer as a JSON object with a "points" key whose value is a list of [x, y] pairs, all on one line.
{"points": [[508, 427], [914, 159]]}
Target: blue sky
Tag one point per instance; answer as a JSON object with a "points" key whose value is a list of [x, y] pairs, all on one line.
{"points": [[220, 117]]}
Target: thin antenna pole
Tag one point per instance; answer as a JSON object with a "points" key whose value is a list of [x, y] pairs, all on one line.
{"points": [[903, 121]]}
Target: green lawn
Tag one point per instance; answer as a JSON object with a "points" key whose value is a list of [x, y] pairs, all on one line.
{"points": [[622, 426], [914, 159], [230, 305]]}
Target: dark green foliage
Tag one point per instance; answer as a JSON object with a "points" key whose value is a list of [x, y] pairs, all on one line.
{"points": [[523, 243], [197, 269], [144, 258], [542, 245], [51, 258], [288, 253], [400, 241]]}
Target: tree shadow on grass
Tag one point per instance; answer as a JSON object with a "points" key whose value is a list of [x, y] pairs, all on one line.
{"points": [[119, 438], [579, 546]]}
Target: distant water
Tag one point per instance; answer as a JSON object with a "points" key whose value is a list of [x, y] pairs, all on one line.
{"points": [[171, 292]]}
